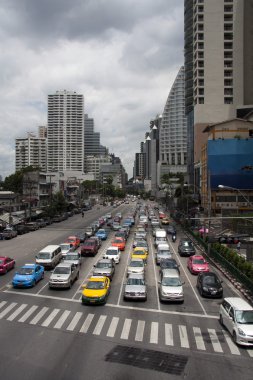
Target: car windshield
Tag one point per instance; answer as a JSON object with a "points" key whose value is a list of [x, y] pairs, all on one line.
{"points": [[139, 252], [136, 264], [135, 281], [62, 270], [117, 241], [89, 243], [187, 244], [71, 257], [95, 285], [244, 317], [103, 265], [1, 261], [164, 252], [111, 252], [198, 261], [101, 231], [65, 246], [26, 271], [44, 255], [171, 281], [211, 280]]}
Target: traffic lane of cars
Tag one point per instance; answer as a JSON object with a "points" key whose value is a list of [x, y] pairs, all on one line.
{"points": [[209, 305]]}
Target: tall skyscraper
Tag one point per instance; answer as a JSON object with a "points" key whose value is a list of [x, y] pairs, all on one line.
{"points": [[91, 138], [173, 131], [31, 151], [218, 66], [65, 131]]}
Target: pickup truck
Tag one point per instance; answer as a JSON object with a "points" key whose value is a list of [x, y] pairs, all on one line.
{"points": [[8, 233], [64, 275]]}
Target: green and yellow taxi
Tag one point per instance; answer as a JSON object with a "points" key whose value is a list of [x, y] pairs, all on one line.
{"points": [[96, 290], [140, 253]]}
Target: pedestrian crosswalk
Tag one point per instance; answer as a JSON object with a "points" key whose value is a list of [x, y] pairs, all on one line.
{"points": [[125, 329]]}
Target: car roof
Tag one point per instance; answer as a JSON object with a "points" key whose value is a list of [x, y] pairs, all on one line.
{"points": [[197, 257], [63, 264], [104, 261], [136, 275], [97, 278], [238, 303], [170, 272], [29, 266], [136, 259]]}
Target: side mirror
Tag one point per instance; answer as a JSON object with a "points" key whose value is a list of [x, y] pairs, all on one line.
{"points": [[159, 282]]}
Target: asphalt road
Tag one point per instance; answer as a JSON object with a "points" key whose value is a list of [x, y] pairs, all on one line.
{"points": [[49, 334]]}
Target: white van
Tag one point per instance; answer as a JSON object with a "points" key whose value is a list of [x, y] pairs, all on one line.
{"points": [[49, 256], [160, 237], [237, 316]]}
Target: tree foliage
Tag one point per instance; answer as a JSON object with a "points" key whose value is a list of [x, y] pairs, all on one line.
{"points": [[14, 182]]}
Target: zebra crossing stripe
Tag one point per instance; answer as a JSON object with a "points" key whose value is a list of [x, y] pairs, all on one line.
{"points": [[215, 341], [6, 311], [183, 336], [199, 339], [113, 326], [86, 324], [140, 331], [74, 321], [233, 348], [17, 312], [154, 333], [126, 329], [62, 319], [250, 352], [28, 313], [50, 318], [169, 335], [3, 303], [37, 318], [99, 325]]}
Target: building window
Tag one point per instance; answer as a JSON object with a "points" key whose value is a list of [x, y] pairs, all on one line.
{"points": [[201, 100], [228, 100], [228, 82], [228, 45]]}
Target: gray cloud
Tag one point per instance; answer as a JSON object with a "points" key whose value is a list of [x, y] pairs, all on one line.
{"points": [[123, 55]]}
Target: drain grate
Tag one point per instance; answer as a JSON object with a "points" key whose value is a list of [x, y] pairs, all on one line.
{"points": [[148, 359]]}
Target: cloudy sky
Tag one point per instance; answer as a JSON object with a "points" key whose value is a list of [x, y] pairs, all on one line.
{"points": [[122, 55]]}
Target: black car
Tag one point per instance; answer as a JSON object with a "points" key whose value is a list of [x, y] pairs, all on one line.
{"points": [[171, 230], [209, 285], [186, 248], [169, 264]]}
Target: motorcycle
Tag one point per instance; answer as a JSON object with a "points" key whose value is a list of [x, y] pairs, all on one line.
{"points": [[174, 238]]}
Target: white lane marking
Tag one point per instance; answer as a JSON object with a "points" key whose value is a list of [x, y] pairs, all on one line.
{"points": [[126, 329], [199, 339], [232, 346], [154, 267], [214, 340], [28, 313], [186, 275], [62, 319], [99, 325], [140, 331], [9, 308], [17, 312], [168, 335], [74, 321], [154, 333], [113, 326], [50, 318], [250, 352], [2, 304], [125, 272], [43, 287], [86, 324], [38, 317], [183, 336]]}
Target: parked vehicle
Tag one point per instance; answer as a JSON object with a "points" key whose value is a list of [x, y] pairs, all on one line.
{"points": [[6, 264], [9, 233], [22, 229], [64, 275], [32, 226], [237, 316], [41, 222]]}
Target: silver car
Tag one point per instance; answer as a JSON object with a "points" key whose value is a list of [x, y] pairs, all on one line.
{"points": [[72, 258], [171, 286], [104, 267], [64, 276], [162, 254], [135, 287], [136, 266]]}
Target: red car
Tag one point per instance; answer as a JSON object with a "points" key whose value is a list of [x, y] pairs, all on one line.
{"points": [[74, 240], [6, 263], [119, 242], [89, 247], [197, 264]]}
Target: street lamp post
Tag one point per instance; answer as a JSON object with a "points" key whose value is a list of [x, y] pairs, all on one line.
{"points": [[239, 191]]}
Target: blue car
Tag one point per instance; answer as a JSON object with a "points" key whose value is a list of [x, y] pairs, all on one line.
{"points": [[102, 234], [28, 275]]}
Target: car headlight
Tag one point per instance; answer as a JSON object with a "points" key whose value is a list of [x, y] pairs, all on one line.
{"points": [[163, 293], [205, 288], [241, 332]]}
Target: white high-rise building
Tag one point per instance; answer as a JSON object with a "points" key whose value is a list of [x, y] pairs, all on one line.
{"points": [[65, 132], [31, 151], [173, 131]]}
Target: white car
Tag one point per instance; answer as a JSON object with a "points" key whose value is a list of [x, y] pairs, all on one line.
{"points": [[112, 253]]}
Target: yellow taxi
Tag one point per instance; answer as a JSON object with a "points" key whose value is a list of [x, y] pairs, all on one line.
{"points": [[140, 253], [96, 290]]}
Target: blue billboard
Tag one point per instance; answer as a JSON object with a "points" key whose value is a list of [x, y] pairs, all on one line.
{"points": [[230, 163]]}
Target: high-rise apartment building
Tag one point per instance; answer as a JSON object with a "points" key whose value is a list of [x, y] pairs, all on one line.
{"points": [[218, 66], [31, 151], [65, 131]]}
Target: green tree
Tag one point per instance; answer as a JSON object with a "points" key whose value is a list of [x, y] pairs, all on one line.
{"points": [[14, 182]]}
